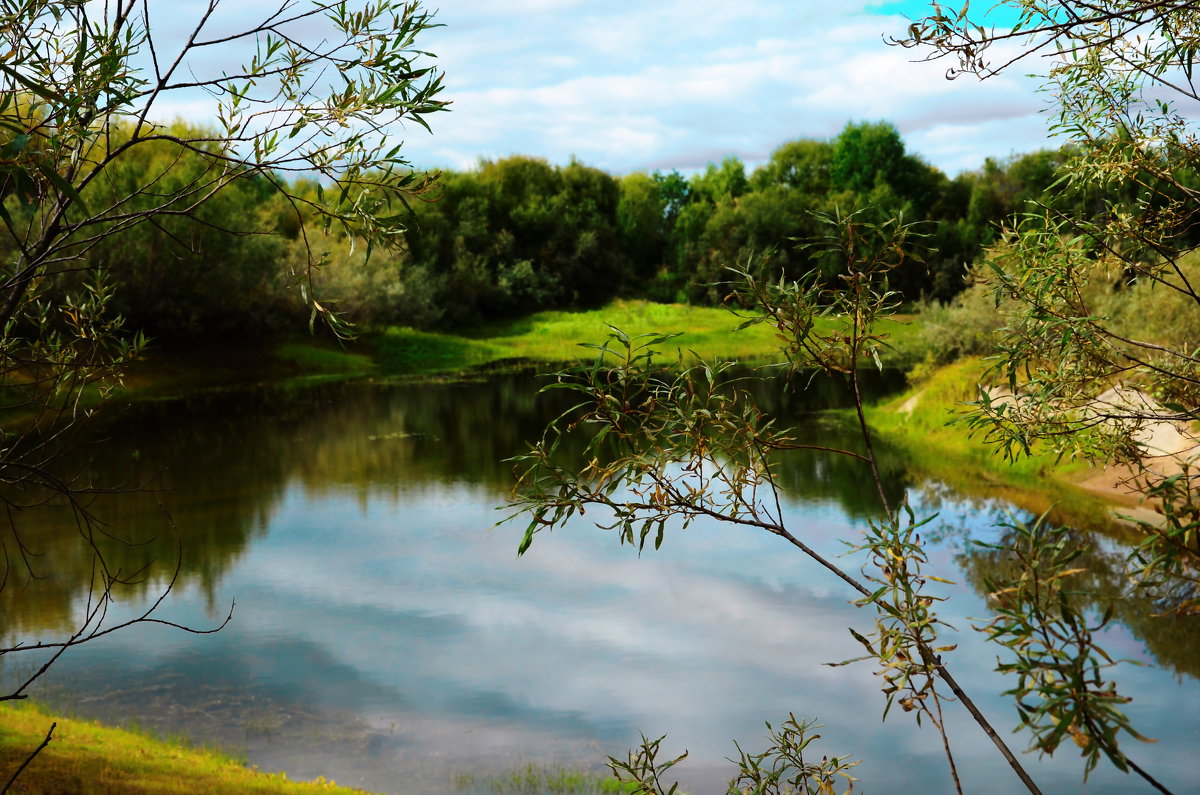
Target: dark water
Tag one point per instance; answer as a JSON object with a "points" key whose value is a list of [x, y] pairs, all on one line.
{"points": [[386, 635]]}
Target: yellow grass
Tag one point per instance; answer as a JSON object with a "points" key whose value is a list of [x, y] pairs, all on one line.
{"points": [[87, 757]]}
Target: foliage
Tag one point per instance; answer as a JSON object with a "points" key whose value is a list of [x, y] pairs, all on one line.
{"points": [[181, 278], [1061, 687], [1148, 311], [97, 197], [965, 326], [868, 154], [664, 448], [1089, 370], [780, 770], [517, 236], [643, 770], [1055, 258], [1165, 562], [75, 107], [1083, 281], [905, 635]]}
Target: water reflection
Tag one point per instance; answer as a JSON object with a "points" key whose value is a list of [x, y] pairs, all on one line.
{"points": [[385, 635], [1172, 640], [208, 472]]}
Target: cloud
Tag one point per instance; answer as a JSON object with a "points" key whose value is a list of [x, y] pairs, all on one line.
{"points": [[640, 88], [626, 86]]}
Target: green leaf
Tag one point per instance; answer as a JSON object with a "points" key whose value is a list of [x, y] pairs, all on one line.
{"points": [[16, 145], [40, 89], [861, 639], [62, 185]]}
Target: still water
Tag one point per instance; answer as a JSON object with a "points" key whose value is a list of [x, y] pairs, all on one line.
{"points": [[386, 635]]}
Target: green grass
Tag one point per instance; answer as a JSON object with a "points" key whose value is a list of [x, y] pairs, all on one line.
{"points": [[532, 779], [554, 337], [403, 351], [919, 422], [312, 358], [86, 757]]}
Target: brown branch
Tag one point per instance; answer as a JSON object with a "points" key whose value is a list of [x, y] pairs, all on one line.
{"points": [[30, 758]]}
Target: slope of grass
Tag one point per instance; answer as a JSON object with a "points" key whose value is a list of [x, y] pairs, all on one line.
{"points": [[554, 337], [310, 357], [86, 757], [921, 422]]}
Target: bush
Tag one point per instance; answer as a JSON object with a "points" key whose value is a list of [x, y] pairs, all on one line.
{"points": [[964, 326], [1161, 312]]}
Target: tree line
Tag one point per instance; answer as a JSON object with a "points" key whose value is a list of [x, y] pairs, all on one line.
{"points": [[518, 235]]}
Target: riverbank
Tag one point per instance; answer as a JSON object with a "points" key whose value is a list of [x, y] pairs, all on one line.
{"points": [[1070, 492], [550, 339], [84, 756], [916, 421], [87, 757], [546, 340]]}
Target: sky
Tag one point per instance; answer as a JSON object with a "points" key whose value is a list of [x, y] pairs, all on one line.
{"points": [[628, 85]]}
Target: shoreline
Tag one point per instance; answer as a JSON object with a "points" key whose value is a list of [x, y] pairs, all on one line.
{"points": [[1071, 492], [916, 420], [89, 756], [86, 756]]}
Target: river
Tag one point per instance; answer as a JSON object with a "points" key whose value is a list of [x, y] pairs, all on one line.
{"points": [[387, 636]]}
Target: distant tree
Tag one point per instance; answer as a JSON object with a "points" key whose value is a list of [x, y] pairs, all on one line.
{"points": [[643, 223], [805, 165], [726, 181], [589, 255], [674, 191], [865, 154], [519, 235], [182, 278]]}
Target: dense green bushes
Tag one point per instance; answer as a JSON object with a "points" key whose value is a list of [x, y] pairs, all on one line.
{"points": [[519, 235], [1136, 309]]}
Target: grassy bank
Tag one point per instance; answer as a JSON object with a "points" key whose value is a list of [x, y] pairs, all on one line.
{"points": [[920, 422], [554, 338], [84, 756], [87, 757], [545, 339]]}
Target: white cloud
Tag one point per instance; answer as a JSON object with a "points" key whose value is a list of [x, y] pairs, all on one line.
{"points": [[628, 85]]}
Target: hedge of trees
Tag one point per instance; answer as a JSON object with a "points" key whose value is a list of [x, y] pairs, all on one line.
{"points": [[518, 235]]}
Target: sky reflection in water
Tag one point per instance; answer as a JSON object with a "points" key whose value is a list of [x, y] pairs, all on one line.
{"points": [[387, 636]]}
